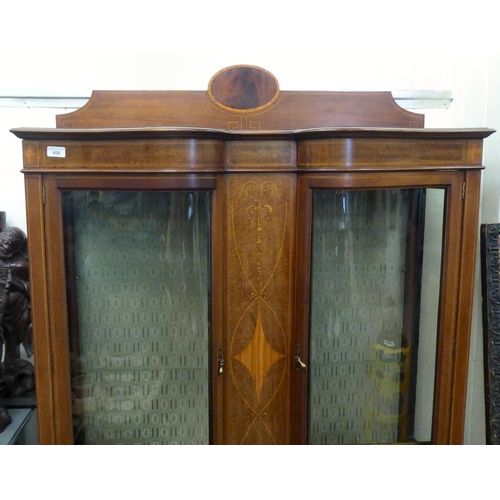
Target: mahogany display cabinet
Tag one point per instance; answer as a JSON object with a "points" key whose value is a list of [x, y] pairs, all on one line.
{"points": [[245, 265]]}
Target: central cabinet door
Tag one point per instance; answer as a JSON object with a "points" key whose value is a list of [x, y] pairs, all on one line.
{"points": [[260, 222]]}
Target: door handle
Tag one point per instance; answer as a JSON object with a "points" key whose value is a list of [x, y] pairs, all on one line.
{"points": [[221, 363], [299, 364]]}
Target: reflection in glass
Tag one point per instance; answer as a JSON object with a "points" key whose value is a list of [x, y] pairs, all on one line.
{"points": [[369, 316], [138, 293]]}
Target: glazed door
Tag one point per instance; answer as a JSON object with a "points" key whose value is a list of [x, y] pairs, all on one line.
{"points": [[133, 356], [375, 327]]}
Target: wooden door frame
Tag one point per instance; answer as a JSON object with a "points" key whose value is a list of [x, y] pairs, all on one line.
{"points": [[454, 322], [56, 427]]}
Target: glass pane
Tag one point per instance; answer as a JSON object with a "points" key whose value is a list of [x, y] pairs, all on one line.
{"points": [[138, 294], [376, 267]]}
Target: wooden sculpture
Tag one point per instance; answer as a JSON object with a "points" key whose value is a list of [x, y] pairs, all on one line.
{"points": [[16, 374]]}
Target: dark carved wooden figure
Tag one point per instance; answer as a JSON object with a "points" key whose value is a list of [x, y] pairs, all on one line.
{"points": [[16, 374], [490, 269]]}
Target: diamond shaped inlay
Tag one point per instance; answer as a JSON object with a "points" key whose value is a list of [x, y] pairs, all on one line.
{"points": [[259, 355]]}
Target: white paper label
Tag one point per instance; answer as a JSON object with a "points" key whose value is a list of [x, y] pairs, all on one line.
{"points": [[56, 152]]}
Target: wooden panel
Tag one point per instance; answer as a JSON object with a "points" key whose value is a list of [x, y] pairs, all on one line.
{"points": [[260, 213], [208, 150], [56, 288], [259, 154], [137, 182], [241, 97], [291, 110], [39, 306], [449, 312], [466, 296], [217, 333], [159, 155], [373, 154]]}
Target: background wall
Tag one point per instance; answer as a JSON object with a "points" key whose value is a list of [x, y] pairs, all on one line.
{"points": [[474, 80]]}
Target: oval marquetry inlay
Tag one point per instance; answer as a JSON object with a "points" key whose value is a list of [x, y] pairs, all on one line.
{"points": [[243, 88], [31, 154]]}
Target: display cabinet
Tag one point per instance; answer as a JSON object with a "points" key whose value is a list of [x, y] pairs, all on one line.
{"points": [[246, 265]]}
